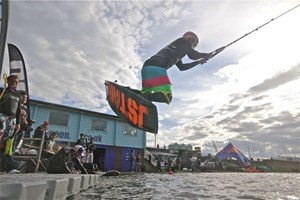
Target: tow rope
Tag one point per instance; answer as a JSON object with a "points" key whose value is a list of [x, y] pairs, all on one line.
{"points": [[217, 51]]}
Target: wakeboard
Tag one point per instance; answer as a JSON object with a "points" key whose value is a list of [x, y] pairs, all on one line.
{"points": [[132, 107]]}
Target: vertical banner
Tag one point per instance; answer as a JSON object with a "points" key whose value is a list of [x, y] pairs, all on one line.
{"points": [[17, 67]]}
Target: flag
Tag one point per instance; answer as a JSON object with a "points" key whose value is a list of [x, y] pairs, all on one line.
{"points": [[17, 67]]}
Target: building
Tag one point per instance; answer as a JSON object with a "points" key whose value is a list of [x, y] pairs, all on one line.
{"points": [[281, 164], [176, 148], [114, 138]]}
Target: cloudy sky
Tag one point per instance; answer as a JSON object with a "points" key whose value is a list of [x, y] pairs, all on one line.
{"points": [[248, 94]]}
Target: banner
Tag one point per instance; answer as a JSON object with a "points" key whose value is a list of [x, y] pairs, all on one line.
{"points": [[131, 107], [17, 67]]}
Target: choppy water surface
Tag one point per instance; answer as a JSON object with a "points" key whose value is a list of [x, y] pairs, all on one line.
{"points": [[197, 186]]}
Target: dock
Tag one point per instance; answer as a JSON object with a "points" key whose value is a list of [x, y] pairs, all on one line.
{"points": [[40, 186]]}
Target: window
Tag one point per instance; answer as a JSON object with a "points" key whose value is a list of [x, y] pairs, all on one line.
{"points": [[129, 130], [60, 119], [98, 125]]}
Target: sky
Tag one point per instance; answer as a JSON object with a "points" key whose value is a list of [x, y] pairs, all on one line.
{"points": [[247, 95]]}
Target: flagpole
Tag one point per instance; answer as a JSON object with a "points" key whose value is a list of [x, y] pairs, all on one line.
{"points": [[3, 32], [154, 140]]}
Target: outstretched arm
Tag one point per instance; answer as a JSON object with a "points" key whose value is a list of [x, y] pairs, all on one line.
{"points": [[200, 58], [195, 55], [185, 66]]}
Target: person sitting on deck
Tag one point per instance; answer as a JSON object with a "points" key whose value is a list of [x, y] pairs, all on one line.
{"points": [[50, 147]]}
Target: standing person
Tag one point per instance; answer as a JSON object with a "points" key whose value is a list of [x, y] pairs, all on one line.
{"points": [[88, 160], [24, 124], [132, 158], [88, 156], [138, 162], [91, 145], [24, 109], [158, 164], [169, 163], [156, 85], [10, 118], [82, 141]]}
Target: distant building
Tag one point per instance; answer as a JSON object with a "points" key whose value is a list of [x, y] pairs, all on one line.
{"points": [[282, 165], [198, 149], [176, 148], [286, 158], [182, 147], [189, 147]]}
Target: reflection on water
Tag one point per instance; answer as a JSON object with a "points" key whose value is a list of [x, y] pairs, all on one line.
{"points": [[197, 186]]}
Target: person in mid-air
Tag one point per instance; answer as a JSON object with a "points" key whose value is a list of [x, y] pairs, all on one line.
{"points": [[156, 85]]}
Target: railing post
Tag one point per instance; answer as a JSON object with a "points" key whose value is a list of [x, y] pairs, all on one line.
{"points": [[40, 152]]}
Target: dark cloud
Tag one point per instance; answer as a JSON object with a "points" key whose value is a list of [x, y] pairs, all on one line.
{"points": [[278, 80], [229, 108], [259, 98], [196, 136], [267, 134], [280, 137]]}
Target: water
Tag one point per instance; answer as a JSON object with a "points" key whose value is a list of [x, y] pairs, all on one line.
{"points": [[197, 186]]}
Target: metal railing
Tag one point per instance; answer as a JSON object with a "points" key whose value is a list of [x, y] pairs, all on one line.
{"points": [[148, 156], [36, 159]]}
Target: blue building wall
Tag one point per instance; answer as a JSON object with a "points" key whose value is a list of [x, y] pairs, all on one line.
{"points": [[112, 142]]}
